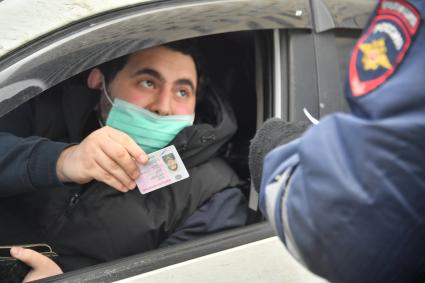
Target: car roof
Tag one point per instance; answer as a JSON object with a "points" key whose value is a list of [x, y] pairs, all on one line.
{"points": [[23, 21]]}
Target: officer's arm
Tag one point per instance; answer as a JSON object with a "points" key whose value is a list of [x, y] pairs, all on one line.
{"points": [[344, 197], [27, 163]]}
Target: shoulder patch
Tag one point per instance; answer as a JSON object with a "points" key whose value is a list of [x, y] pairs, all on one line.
{"points": [[383, 46]]}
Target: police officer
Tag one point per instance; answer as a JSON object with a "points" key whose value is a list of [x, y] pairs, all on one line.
{"points": [[347, 198]]}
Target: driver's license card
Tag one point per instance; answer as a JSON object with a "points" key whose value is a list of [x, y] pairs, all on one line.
{"points": [[165, 167]]}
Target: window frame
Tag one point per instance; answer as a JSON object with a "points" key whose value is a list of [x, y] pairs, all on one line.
{"points": [[35, 67]]}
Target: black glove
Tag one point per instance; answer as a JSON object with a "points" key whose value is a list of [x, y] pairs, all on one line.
{"points": [[273, 133]]}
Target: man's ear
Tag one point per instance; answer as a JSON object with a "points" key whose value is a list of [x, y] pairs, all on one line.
{"points": [[94, 80]]}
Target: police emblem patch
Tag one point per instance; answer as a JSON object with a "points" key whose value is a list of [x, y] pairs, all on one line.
{"points": [[382, 48]]}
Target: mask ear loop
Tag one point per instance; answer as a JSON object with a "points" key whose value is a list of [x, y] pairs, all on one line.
{"points": [[99, 119], [105, 92]]}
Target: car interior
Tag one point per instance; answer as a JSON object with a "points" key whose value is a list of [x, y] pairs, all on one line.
{"points": [[230, 62]]}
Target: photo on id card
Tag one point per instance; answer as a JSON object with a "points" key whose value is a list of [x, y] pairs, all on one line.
{"points": [[165, 167]]}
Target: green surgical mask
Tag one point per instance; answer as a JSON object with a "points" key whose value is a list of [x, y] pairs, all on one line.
{"points": [[149, 130]]}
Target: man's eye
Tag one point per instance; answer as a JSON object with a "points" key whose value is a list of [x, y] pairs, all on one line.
{"points": [[147, 84], [182, 93]]}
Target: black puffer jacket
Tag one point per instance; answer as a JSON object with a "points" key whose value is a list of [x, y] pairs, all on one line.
{"points": [[95, 223]]}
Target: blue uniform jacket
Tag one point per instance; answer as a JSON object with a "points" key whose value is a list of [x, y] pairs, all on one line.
{"points": [[348, 197]]}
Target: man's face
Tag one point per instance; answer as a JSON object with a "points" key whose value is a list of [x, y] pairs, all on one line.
{"points": [[158, 79], [172, 164]]}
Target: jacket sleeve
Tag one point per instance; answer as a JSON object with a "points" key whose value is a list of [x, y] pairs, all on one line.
{"points": [[27, 163], [349, 194], [225, 210], [347, 197]]}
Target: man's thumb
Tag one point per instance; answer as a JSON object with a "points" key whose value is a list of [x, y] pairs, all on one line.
{"points": [[29, 257]]}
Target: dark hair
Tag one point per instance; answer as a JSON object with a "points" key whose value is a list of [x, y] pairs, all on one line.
{"points": [[187, 47]]}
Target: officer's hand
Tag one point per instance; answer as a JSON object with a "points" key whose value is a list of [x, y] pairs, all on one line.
{"points": [[41, 266], [106, 155], [273, 133]]}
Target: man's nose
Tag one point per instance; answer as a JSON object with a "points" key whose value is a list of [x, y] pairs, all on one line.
{"points": [[162, 103]]}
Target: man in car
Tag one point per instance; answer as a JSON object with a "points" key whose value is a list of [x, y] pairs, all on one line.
{"points": [[347, 198], [71, 150]]}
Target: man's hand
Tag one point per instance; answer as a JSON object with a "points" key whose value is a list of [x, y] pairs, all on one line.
{"points": [[41, 266], [106, 155]]}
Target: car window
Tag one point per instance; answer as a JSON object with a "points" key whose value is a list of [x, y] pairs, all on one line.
{"points": [[229, 67]]}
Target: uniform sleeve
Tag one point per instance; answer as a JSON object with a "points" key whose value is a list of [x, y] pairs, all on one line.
{"points": [[27, 163], [347, 197], [346, 194]]}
